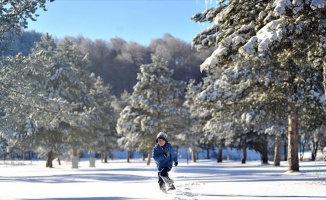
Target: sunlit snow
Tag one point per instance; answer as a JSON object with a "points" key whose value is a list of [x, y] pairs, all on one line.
{"points": [[119, 180]]}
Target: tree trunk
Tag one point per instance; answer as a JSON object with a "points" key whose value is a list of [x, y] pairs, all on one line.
{"points": [[207, 154], [74, 152], [302, 150], [293, 138], [324, 76], [110, 153], [220, 154], [193, 154], [285, 148], [59, 161], [128, 156], [314, 150], [149, 158], [277, 151], [244, 153], [144, 156], [92, 161], [74, 162], [104, 157], [264, 151], [49, 160]]}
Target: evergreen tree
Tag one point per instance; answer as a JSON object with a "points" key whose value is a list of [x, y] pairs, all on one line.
{"points": [[52, 92], [153, 105], [194, 118], [273, 34], [71, 81], [14, 17], [102, 134], [26, 99], [3, 147], [25, 42], [129, 130]]}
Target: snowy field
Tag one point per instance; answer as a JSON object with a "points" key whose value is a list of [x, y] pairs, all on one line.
{"points": [[119, 180]]}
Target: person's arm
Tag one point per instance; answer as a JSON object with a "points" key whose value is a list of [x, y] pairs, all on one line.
{"points": [[158, 156], [174, 155]]}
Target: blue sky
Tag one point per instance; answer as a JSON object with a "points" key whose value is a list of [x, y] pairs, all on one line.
{"points": [[133, 20]]}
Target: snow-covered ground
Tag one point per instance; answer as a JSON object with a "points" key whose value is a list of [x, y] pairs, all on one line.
{"points": [[119, 180]]}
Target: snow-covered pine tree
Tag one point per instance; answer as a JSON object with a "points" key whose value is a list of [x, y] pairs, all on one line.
{"points": [[102, 134], [26, 99], [259, 97], [14, 18], [13, 110], [154, 105], [53, 95], [129, 130], [312, 131], [70, 81], [275, 32], [3, 147], [21, 138], [126, 126], [318, 137], [193, 119]]}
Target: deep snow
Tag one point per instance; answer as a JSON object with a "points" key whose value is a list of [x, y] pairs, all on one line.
{"points": [[119, 180]]}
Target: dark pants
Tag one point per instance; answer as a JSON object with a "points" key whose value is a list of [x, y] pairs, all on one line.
{"points": [[163, 172]]}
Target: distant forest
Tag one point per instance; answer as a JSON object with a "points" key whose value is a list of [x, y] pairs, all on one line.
{"points": [[117, 61]]}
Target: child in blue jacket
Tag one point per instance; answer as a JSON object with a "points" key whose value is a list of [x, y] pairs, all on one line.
{"points": [[164, 156]]}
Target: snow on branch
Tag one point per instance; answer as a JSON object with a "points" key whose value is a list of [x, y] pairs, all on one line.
{"points": [[260, 44], [281, 5], [317, 4]]}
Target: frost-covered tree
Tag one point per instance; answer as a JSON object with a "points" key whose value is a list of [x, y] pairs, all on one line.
{"points": [[318, 141], [126, 127], [312, 131], [51, 92], [70, 77], [278, 33], [3, 147], [25, 99], [22, 139], [193, 119], [129, 130], [102, 123], [256, 99], [24, 42], [153, 106], [14, 18], [219, 97], [183, 59], [277, 131]]}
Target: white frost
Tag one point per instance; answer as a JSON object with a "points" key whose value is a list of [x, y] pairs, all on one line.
{"points": [[317, 4], [280, 6]]}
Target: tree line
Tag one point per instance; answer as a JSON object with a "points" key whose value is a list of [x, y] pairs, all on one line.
{"points": [[117, 61]]}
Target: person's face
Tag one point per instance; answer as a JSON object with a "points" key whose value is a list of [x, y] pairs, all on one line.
{"points": [[161, 142]]}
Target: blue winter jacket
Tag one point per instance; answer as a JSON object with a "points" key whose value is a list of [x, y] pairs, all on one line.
{"points": [[160, 159]]}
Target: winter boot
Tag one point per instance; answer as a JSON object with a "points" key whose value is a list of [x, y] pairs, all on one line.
{"points": [[171, 187]]}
